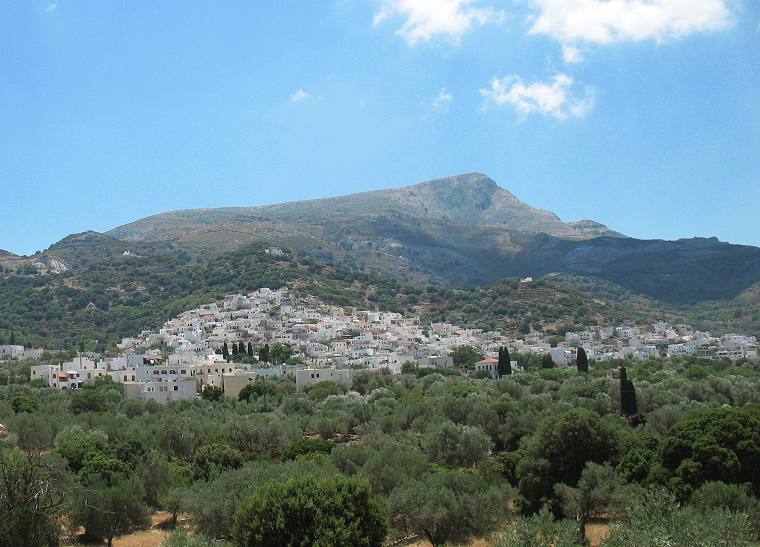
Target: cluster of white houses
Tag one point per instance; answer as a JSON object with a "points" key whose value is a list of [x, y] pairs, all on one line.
{"points": [[332, 343]]}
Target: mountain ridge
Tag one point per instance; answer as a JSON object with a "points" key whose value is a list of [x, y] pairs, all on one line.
{"points": [[459, 231], [476, 200]]}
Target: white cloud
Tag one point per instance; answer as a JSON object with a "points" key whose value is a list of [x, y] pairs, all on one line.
{"points": [[607, 21], [428, 18], [442, 100], [51, 7], [553, 98], [300, 95]]}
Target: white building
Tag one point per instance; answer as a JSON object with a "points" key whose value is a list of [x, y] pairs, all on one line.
{"points": [[161, 392], [310, 376]]}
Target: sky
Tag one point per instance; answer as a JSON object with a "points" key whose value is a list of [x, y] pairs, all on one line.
{"points": [[640, 114]]}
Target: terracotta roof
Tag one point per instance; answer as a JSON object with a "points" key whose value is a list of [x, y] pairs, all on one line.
{"points": [[487, 361]]}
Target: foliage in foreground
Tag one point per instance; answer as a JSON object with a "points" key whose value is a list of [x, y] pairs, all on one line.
{"points": [[307, 511]]}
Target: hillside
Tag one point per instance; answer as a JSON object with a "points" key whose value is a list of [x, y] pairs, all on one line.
{"points": [[469, 199], [447, 249], [123, 295], [460, 231]]}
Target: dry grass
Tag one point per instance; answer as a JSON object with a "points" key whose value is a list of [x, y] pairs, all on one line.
{"points": [[597, 532], [153, 537]]}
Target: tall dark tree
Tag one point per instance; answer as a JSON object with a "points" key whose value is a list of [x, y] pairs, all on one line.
{"points": [[628, 403], [581, 360], [250, 349], [241, 347], [13, 338], [225, 351], [547, 361], [504, 368], [264, 353], [234, 348]]}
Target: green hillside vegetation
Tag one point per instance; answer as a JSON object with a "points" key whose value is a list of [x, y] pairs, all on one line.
{"points": [[459, 231], [122, 295], [545, 304], [118, 296], [740, 314], [442, 458]]}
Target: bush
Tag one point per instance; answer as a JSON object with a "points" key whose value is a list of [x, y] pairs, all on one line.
{"points": [[30, 498], [541, 530], [559, 450], [457, 445], [448, 506], [306, 447], [308, 511], [211, 459], [655, 519], [720, 444], [735, 498]]}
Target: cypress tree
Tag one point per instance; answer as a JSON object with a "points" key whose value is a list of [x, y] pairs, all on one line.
{"points": [[250, 350], [581, 360], [628, 404], [225, 351], [504, 367], [264, 353], [547, 361], [241, 347], [13, 338], [234, 348]]}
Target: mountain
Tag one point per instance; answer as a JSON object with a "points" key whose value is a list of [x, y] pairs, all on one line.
{"points": [[472, 199], [436, 231], [460, 231], [442, 249]]}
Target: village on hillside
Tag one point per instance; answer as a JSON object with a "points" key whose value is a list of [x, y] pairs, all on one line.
{"points": [[272, 333]]}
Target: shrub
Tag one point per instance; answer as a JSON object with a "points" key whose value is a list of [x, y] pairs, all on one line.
{"points": [[308, 511]]}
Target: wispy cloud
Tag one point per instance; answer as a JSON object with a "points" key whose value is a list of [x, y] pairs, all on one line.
{"points": [[428, 18], [571, 54], [442, 100], [554, 98], [300, 95], [573, 22]]}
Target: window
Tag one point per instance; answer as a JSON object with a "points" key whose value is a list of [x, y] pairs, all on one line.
{"points": [[176, 388]]}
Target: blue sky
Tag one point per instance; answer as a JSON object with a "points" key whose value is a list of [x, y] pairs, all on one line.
{"points": [[641, 114]]}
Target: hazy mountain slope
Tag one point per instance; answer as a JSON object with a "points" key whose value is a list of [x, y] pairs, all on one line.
{"points": [[680, 272], [459, 231], [470, 199]]}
